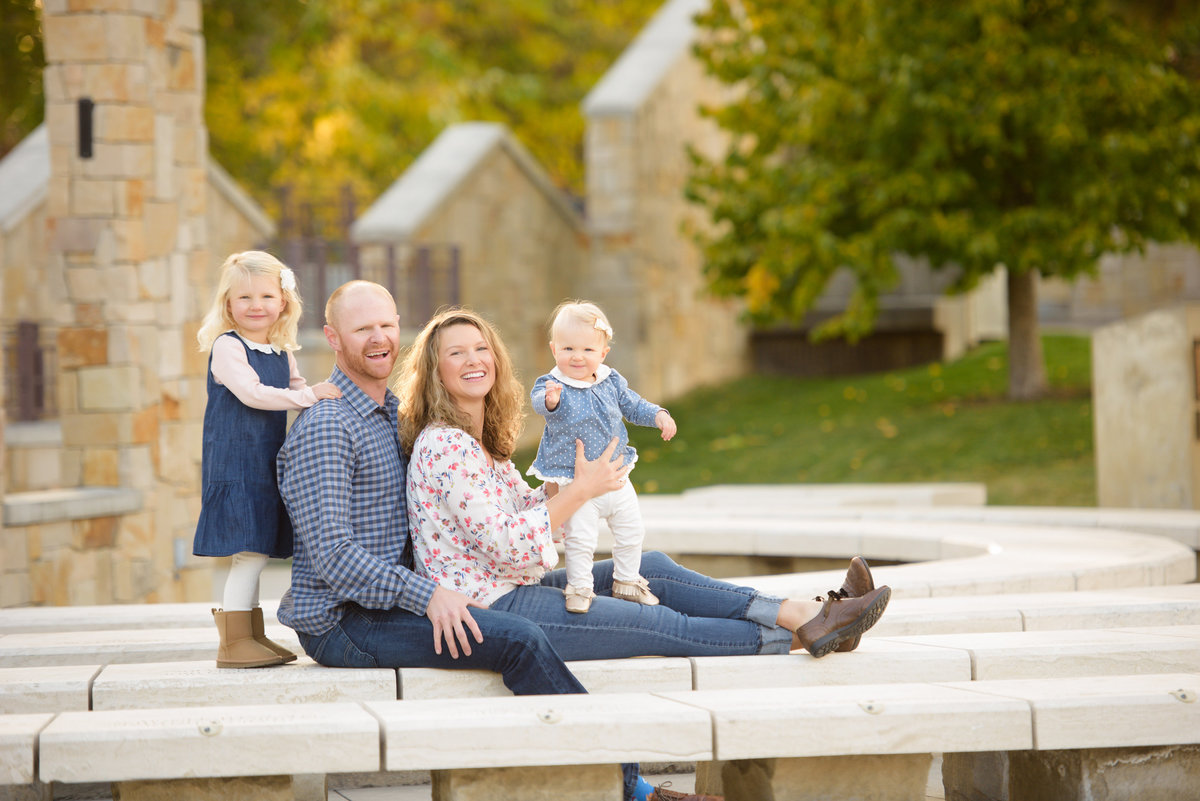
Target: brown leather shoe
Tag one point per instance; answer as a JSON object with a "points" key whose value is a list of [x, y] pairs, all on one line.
{"points": [[857, 584], [841, 619]]}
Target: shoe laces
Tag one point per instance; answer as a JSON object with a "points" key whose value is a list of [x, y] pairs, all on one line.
{"points": [[834, 595]]}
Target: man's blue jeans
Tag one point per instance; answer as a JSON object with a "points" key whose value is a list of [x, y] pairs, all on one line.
{"points": [[512, 646]]}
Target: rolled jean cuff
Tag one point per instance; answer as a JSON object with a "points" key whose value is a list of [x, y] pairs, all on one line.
{"points": [[764, 610]]}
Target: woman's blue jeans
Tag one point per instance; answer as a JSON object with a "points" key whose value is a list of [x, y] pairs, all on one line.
{"points": [[697, 616]]}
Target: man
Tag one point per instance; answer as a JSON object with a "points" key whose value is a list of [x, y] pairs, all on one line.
{"points": [[354, 599]]}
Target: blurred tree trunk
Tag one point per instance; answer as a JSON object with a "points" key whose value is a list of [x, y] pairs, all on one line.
{"points": [[1026, 366]]}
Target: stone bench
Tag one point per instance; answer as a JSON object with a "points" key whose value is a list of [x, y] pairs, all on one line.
{"points": [[997, 739], [762, 744]]}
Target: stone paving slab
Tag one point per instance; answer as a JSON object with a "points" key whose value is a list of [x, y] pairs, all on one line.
{"points": [[18, 741], [1083, 652], [190, 684], [45, 689], [860, 719], [108, 617], [874, 662], [150, 744], [647, 674], [121, 646], [450, 734], [1106, 711]]}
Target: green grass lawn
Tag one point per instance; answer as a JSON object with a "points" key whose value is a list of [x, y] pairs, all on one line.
{"points": [[941, 422]]}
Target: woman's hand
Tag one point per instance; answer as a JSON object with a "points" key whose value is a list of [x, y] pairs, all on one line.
{"points": [[604, 474]]}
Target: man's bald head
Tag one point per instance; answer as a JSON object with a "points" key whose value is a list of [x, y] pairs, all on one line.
{"points": [[346, 293]]}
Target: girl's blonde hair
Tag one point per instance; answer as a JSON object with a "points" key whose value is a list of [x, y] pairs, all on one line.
{"points": [[424, 400], [580, 311], [241, 267]]}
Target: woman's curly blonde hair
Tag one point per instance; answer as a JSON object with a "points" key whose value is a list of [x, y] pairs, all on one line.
{"points": [[424, 400]]}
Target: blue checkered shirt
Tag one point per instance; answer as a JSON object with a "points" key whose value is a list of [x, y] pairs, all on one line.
{"points": [[341, 474]]}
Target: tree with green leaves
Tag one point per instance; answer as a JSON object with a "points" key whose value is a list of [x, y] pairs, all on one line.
{"points": [[22, 105], [1030, 134]]}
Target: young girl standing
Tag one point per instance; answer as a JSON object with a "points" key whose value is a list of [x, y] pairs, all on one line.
{"points": [[583, 398], [252, 383]]}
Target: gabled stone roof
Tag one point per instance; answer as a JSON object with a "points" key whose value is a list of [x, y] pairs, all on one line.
{"points": [[25, 173], [647, 60], [437, 174]]}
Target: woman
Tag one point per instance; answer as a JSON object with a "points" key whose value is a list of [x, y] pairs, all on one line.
{"points": [[478, 528]]}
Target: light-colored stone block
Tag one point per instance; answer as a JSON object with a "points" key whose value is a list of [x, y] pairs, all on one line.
{"points": [[859, 719], [650, 674], [107, 617], [18, 743], [875, 661], [1106, 711], [45, 689], [577, 782], [189, 684], [121, 647], [1146, 460], [1084, 652], [208, 742], [538, 730]]}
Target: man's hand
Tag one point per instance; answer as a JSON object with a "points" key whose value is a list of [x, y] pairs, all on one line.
{"points": [[448, 611], [553, 394]]}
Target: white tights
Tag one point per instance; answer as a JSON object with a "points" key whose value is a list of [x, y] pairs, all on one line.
{"points": [[241, 587]]}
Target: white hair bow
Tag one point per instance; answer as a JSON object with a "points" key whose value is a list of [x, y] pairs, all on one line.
{"points": [[287, 279]]}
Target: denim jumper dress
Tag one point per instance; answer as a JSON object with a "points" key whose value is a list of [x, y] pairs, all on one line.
{"points": [[241, 509]]}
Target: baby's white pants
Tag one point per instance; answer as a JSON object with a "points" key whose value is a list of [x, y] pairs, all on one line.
{"points": [[620, 508]]}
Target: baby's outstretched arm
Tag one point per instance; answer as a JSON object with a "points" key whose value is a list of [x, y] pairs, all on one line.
{"points": [[553, 393], [666, 423]]}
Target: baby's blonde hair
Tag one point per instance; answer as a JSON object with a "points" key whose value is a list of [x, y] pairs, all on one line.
{"points": [[580, 311], [242, 267]]}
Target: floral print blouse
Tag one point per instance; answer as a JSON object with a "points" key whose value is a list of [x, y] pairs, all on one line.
{"points": [[476, 528]]}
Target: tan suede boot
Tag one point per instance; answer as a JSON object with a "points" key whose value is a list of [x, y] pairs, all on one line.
{"points": [[260, 635], [238, 647]]}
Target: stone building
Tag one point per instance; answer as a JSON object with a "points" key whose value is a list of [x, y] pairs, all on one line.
{"points": [[112, 223]]}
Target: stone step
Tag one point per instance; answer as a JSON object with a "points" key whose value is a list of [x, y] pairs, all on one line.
{"points": [[122, 646], [149, 744], [18, 746]]}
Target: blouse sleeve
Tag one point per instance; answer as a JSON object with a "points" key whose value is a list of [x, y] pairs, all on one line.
{"points": [[527, 497], [451, 462], [232, 369], [295, 380]]}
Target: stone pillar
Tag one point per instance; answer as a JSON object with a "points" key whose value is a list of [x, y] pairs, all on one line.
{"points": [[577, 782], [1090, 774], [1146, 399], [867, 777], [126, 216]]}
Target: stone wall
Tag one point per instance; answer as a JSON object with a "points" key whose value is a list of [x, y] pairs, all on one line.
{"points": [[1124, 286], [125, 279], [1146, 400], [518, 254], [645, 271]]}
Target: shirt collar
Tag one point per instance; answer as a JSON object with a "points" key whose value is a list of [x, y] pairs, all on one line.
{"points": [[602, 372], [258, 346], [360, 401]]}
